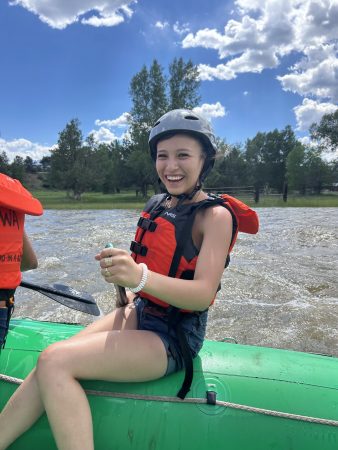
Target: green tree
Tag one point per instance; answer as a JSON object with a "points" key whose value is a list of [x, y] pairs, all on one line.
{"points": [[71, 161], [30, 166], [17, 169], [152, 94], [317, 170], [296, 168], [158, 99], [326, 132], [116, 175], [183, 84], [333, 167], [45, 163], [148, 94], [266, 155], [4, 163], [230, 168]]}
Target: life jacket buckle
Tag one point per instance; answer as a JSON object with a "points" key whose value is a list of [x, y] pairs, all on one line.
{"points": [[138, 248], [147, 224]]}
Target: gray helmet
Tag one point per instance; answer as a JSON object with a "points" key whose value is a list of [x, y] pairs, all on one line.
{"points": [[191, 123]]}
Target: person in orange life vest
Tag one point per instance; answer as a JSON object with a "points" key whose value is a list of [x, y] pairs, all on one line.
{"points": [[136, 342], [16, 251]]}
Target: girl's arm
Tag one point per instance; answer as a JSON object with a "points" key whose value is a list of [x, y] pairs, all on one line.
{"points": [[196, 294], [29, 260]]}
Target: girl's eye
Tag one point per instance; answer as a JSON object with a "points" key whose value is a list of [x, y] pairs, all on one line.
{"points": [[183, 155], [161, 156]]}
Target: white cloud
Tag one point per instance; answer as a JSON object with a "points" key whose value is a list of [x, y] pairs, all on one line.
{"points": [[23, 147], [316, 74], [311, 111], [104, 135], [210, 111], [121, 121], [181, 29], [204, 38], [220, 72], [265, 31], [161, 25], [61, 13]]}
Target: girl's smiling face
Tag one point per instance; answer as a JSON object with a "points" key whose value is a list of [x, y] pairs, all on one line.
{"points": [[179, 162]]}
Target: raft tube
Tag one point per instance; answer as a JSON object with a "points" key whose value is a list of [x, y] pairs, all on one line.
{"points": [[140, 416]]}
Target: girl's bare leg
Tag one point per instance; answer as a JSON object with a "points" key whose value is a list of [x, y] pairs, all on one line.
{"points": [[129, 355], [26, 406], [21, 412]]}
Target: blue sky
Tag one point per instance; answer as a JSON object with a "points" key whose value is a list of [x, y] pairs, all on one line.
{"points": [[263, 64]]}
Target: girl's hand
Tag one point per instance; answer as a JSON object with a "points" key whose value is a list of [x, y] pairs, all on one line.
{"points": [[118, 267]]}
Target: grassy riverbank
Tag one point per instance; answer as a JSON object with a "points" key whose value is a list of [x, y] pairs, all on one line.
{"points": [[90, 200], [128, 200]]}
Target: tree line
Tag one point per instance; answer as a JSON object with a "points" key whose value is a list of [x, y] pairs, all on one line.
{"points": [[269, 160]]}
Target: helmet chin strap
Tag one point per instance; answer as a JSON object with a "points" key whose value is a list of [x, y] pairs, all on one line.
{"points": [[184, 196]]}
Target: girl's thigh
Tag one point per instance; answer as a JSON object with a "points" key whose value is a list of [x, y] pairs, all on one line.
{"points": [[120, 319], [128, 355]]}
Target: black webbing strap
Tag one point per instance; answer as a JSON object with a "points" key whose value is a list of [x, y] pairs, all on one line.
{"points": [[181, 241], [174, 322], [186, 233], [174, 314], [187, 358], [147, 224], [136, 246]]}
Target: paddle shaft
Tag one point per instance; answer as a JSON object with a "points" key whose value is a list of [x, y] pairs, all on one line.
{"points": [[121, 295]]}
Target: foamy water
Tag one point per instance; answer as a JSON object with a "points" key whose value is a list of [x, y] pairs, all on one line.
{"points": [[280, 289]]}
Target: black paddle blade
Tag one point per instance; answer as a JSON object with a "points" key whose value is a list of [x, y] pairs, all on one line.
{"points": [[62, 290], [67, 296], [88, 308], [69, 292]]}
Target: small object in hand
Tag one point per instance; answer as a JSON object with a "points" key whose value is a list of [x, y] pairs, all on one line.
{"points": [[121, 296], [108, 261]]}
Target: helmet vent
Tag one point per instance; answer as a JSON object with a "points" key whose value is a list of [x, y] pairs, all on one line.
{"points": [[158, 122], [191, 117]]}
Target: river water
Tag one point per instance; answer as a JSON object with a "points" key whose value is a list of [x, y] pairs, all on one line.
{"points": [[280, 290]]}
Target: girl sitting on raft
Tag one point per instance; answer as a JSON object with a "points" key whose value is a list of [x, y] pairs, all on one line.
{"points": [[178, 256]]}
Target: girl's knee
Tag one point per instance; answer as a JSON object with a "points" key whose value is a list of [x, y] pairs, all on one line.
{"points": [[50, 360]]}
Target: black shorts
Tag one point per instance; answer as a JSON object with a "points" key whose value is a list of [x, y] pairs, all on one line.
{"points": [[154, 318]]}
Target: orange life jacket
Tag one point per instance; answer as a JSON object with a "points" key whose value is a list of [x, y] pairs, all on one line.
{"points": [[14, 196], [11, 236], [163, 238], [15, 202]]}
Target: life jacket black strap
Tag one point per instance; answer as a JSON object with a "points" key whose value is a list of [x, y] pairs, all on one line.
{"points": [[146, 224], [138, 249], [185, 235], [181, 241], [174, 322], [188, 362]]}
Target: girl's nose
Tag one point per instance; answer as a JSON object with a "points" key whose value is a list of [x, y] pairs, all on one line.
{"points": [[172, 163]]}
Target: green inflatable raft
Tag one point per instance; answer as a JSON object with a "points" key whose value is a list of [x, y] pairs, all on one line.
{"points": [[259, 399]]}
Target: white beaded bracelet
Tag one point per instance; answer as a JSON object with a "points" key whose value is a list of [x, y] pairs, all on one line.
{"points": [[143, 281]]}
